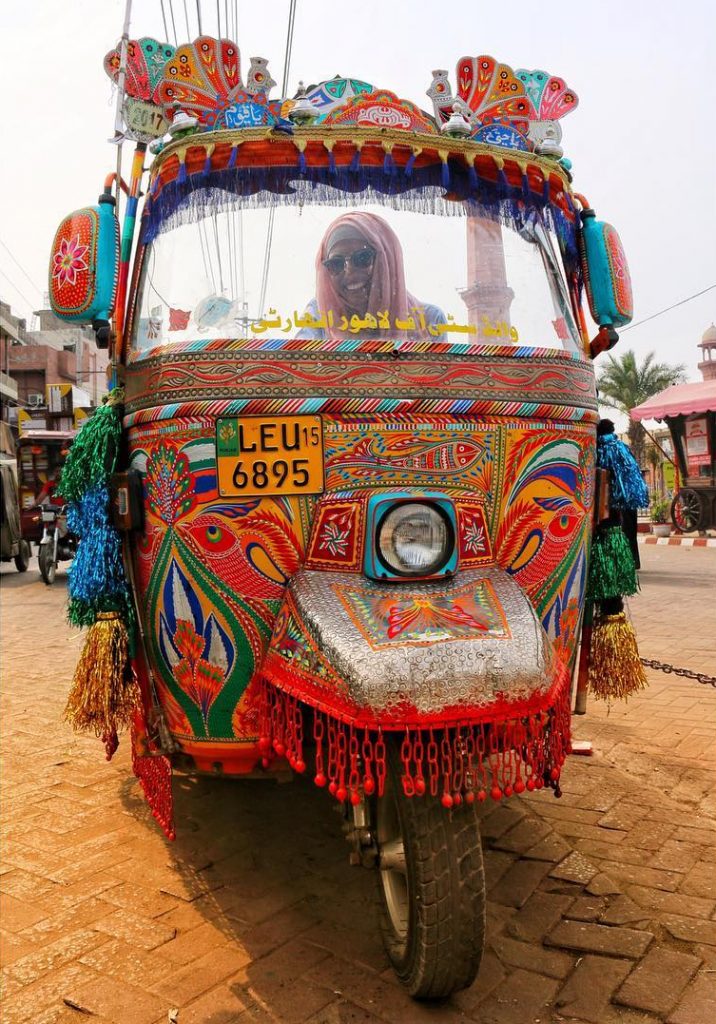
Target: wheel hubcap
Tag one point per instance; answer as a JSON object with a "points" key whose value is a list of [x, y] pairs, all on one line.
{"points": [[393, 871]]}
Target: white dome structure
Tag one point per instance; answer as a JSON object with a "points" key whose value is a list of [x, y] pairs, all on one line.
{"points": [[708, 345]]}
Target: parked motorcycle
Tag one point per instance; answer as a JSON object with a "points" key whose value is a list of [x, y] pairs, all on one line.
{"points": [[57, 543]]}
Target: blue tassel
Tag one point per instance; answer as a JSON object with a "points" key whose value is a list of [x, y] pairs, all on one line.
{"points": [[182, 173], [388, 164], [545, 189], [355, 162], [331, 162], [97, 582], [525, 185], [409, 165], [207, 165], [302, 161], [503, 186], [446, 175], [472, 177], [232, 158], [628, 489]]}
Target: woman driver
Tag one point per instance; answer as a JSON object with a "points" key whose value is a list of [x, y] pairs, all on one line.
{"points": [[359, 271]]}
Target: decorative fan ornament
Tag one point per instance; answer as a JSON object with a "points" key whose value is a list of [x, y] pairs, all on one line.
{"points": [[491, 90], [549, 96], [145, 63], [204, 80], [514, 109], [550, 99]]}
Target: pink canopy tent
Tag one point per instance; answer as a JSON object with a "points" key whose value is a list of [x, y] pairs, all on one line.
{"points": [[678, 400]]}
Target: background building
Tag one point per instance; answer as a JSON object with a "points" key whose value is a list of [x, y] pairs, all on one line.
{"points": [[58, 356]]}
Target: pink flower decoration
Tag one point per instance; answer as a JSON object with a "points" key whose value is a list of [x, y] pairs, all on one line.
{"points": [[68, 260]]}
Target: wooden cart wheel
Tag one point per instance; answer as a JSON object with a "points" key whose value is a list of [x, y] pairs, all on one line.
{"points": [[688, 511]]}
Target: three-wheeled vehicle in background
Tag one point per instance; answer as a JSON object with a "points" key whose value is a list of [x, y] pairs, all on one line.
{"points": [[357, 472], [41, 454], [13, 545]]}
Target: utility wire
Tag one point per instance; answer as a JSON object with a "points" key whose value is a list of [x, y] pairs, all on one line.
{"points": [[272, 211], [12, 283], [667, 310], [164, 19], [20, 267], [174, 26]]}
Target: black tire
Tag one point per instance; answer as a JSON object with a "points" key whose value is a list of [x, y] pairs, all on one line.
{"points": [[22, 558], [47, 564], [436, 943]]}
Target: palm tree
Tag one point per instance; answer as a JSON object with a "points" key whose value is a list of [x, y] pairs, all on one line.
{"points": [[623, 385]]}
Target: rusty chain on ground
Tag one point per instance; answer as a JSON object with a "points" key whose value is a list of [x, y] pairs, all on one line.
{"points": [[662, 666]]}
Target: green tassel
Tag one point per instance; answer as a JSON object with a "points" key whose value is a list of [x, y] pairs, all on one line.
{"points": [[93, 454], [612, 572]]}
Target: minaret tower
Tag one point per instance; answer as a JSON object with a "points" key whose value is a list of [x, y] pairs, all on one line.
{"points": [[708, 344], [487, 293]]}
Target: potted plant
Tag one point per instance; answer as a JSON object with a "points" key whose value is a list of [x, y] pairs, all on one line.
{"points": [[659, 515]]}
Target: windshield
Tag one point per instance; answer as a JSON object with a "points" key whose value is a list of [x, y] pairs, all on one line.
{"points": [[315, 272]]}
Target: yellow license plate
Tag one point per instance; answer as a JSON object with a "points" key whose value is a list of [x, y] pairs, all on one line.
{"points": [[258, 456]]}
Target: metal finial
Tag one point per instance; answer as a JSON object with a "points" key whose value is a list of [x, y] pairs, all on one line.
{"points": [[303, 111], [457, 125]]}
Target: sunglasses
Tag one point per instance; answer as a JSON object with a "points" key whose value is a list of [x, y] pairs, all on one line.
{"points": [[361, 259]]}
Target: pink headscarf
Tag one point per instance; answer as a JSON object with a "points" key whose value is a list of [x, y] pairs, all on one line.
{"points": [[387, 286]]}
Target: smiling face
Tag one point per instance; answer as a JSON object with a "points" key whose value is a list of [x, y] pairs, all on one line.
{"points": [[353, 280]]}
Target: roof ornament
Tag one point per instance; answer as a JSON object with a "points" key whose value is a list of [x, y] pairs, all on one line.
{"points": [[457, 125], [514, 109], [303, 111]]}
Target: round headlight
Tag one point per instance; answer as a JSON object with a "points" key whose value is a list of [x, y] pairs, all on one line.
{"points": [[414, 539]]}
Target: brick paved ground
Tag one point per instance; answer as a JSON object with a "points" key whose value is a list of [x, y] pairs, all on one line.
{"points": [[602, 905]]}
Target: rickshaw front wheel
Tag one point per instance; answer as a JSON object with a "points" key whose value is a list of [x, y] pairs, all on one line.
{"points": [[432, 888]]}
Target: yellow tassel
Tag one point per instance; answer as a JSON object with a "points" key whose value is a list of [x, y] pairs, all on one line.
{"points": [[615, 670], [104, 691]]}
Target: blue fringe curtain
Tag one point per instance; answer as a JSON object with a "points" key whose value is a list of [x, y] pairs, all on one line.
{"points": [[422, 190]]}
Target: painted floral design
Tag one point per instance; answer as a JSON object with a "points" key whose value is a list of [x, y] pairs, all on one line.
{"points": [[568, 624], [474, 537], [393, 619], [169, 484], [336, 534], [200, 680], [197, 649], [69, 259], [432, 616]]}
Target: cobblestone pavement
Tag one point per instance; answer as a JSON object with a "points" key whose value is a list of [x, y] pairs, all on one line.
{"points": [[602, 904]]}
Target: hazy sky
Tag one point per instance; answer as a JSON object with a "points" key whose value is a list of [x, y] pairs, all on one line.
{"points": [[642, 141]]}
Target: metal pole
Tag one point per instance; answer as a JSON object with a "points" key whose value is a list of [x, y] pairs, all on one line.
{"points": [[121, 78], [130, 219]]}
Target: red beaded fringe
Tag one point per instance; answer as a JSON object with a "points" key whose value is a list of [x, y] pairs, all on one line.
{"points": [[154, 772], [458, 761]]}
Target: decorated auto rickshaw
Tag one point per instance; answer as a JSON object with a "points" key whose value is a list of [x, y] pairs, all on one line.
{"points": [[336, 512], [41, 454]]}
